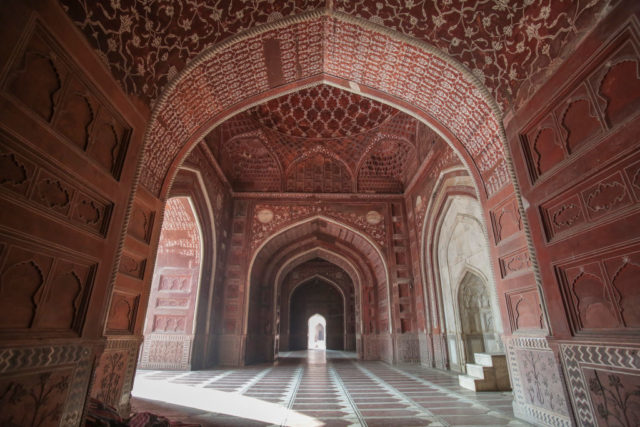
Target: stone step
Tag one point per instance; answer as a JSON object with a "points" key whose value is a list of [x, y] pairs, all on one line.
{"points": [[481, 372], [491, 359], [476, 384]]}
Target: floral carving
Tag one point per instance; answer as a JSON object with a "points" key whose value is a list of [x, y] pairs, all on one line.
{"points": [[505, 44], [616, 404], [111, 380], [541, 380], [37, 403]]}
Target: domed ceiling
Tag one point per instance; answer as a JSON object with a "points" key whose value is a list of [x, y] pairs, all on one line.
{"points": [[320, 140]]}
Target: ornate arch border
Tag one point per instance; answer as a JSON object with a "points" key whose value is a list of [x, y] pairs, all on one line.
{"points": [[430, 85]]}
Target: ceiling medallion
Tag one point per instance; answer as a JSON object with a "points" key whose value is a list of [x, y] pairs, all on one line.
{"points": [[374, 217], [265, 216]]}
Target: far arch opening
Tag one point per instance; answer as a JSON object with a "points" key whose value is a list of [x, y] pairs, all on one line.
{"points": [[349, 249], [316, 332]]}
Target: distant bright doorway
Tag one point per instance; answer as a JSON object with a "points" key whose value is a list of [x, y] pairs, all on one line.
{"points": [[317, 333]]}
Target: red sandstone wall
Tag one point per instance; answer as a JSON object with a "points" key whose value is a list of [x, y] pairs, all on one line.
{"points": [[575, 150], [69, 145]]}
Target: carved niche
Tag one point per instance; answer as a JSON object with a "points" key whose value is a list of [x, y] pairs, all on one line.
{"points": [[77, 113], [524, 308], [590, 297], [16, 172], [122, 314], [40, 292], [37, 77], [623, 272], [604, 95], [579, 120], [620, 86], [506, 220], [46, 82], [141, 222], [602, 292]]}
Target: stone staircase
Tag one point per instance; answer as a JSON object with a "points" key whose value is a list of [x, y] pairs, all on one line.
{"points": [[489, 373]]}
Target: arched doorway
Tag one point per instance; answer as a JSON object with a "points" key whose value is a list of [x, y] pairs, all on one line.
{"points": [[316, 297], [324, 268], [303, 241], [458, 261], [316, 332], [170, 319]]}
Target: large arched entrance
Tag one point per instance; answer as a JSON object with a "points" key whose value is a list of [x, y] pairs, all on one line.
{"points": [[350, 257], [86, 169], [339, 313], [170, 320], [462, 113]]}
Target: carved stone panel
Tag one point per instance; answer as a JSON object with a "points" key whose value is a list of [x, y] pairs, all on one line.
{"points": [[42, 292], [541, 380], [44, 385], [45, 82], [132, 265], [601, 292], [37, 399], [603, 383], [49, 189], [109, 377], [515, 263], [593, 200]]}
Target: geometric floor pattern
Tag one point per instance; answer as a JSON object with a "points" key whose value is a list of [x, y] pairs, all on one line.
{"points": [[315, 388]]}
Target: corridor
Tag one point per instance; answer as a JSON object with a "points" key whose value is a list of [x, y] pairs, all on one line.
{"points": [[315, 388]]}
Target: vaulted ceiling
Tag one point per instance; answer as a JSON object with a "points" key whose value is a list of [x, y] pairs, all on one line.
{"points": [[506, 44], [323, 139], [320, 139]]}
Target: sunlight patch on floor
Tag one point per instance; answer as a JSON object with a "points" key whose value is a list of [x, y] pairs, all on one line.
{"points": [[221, 402]]}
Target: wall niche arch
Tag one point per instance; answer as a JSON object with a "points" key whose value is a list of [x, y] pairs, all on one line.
{"points": [[455, 257]]}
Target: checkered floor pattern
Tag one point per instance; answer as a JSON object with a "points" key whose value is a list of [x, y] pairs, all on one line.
{"points": [[318, 388]]}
